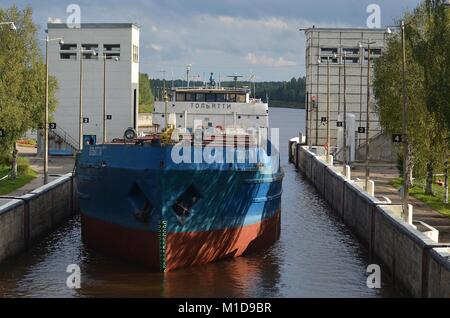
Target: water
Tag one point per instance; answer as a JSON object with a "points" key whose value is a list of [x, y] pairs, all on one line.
{"points": [[316, 256]]}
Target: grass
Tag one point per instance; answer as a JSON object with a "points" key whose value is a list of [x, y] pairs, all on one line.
{"points": [[145, 108], [25, 175], [436, 201]]}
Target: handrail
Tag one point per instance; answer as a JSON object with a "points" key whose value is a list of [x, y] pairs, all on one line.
{"points": [[68, 139], [372, 138]]}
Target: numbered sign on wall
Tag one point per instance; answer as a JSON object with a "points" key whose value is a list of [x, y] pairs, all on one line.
{"points": [[85, 120], [52, 126], [397, 138], [340, 124], [361, 130], [108, 117]]}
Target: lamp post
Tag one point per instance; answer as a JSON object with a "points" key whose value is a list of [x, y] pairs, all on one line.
{"points": [[80, 128], [361, 45], [116, 59], [334, 56], [165, 97], [345, 112], [47, 40], [406, 159]]}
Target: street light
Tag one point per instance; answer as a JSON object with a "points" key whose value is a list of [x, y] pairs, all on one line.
{"points": [[334, 56], [406, 159], [361, 45], [47, 40], [12, 26], [80, 129], [345, 112], [116, 59]]}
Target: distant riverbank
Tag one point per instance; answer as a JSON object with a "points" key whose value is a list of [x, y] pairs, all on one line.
{"points": [[284, 104]]}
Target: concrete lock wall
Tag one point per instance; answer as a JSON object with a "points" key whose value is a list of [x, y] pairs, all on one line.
{"points": [[11, 229], [414, 262], [29, 218]]}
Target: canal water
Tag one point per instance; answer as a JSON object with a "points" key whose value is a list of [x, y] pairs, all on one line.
{"points": [[316, 256]]}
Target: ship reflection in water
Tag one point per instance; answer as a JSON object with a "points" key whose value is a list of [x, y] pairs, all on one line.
{"points": [[316, 256]]}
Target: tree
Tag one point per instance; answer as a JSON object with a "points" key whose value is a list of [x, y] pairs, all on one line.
{"points": [[22, 81], [146, 99], [431, 37], [426, 134]]}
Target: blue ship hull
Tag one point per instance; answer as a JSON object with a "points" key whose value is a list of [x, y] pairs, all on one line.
{"points": [[137, 203]]}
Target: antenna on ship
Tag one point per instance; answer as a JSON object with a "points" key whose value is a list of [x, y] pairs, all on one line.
{"points": [[165, 95], [235, 77], [252, 80], [195, 78], [188, 70]]}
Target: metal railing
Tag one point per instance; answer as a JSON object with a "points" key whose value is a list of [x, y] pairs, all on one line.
{"points": [[66, 137]]}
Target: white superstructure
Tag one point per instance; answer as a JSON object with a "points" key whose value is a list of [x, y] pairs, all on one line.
{"points": [[222, 108]]}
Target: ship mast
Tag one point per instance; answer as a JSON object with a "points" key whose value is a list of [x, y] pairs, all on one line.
{"points": [[165, 97], [235, 77]]}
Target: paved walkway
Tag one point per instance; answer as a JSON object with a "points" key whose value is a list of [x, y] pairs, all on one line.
{"points": [[382, 175], [56, 166]]}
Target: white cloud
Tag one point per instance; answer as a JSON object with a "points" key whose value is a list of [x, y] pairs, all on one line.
{"points": [[272, 23], [155, 47], [268, 61], [54, 20]]}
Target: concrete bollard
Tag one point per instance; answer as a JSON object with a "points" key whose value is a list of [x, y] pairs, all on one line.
{"points": [[301, 139], [330, 160], [409, 215], [348, 172], [371, 188]]}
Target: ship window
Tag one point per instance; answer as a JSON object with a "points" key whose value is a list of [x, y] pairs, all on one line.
{"points": [[200, 97], [190, 97], [186, 201], [181, 97], [241, 98], [231, 98], [210, 98], [220, 98]]}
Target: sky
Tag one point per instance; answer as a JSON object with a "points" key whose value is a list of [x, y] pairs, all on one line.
{"points": [[248, 37]]}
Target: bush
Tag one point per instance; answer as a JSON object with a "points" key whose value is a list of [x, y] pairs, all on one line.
{"points": [[23, 164]]}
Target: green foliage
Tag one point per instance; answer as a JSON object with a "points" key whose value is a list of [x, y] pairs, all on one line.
{"points": [[146, 98], [25, 175], [431, 37], [426, 134], [9, 185], [289, 92], [436, 201], [22, 78]]}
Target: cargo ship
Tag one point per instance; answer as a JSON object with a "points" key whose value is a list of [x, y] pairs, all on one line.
{"points": [[205, 185]]}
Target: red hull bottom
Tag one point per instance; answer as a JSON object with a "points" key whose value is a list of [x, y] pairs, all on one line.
{"points": [[182, 249]]}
